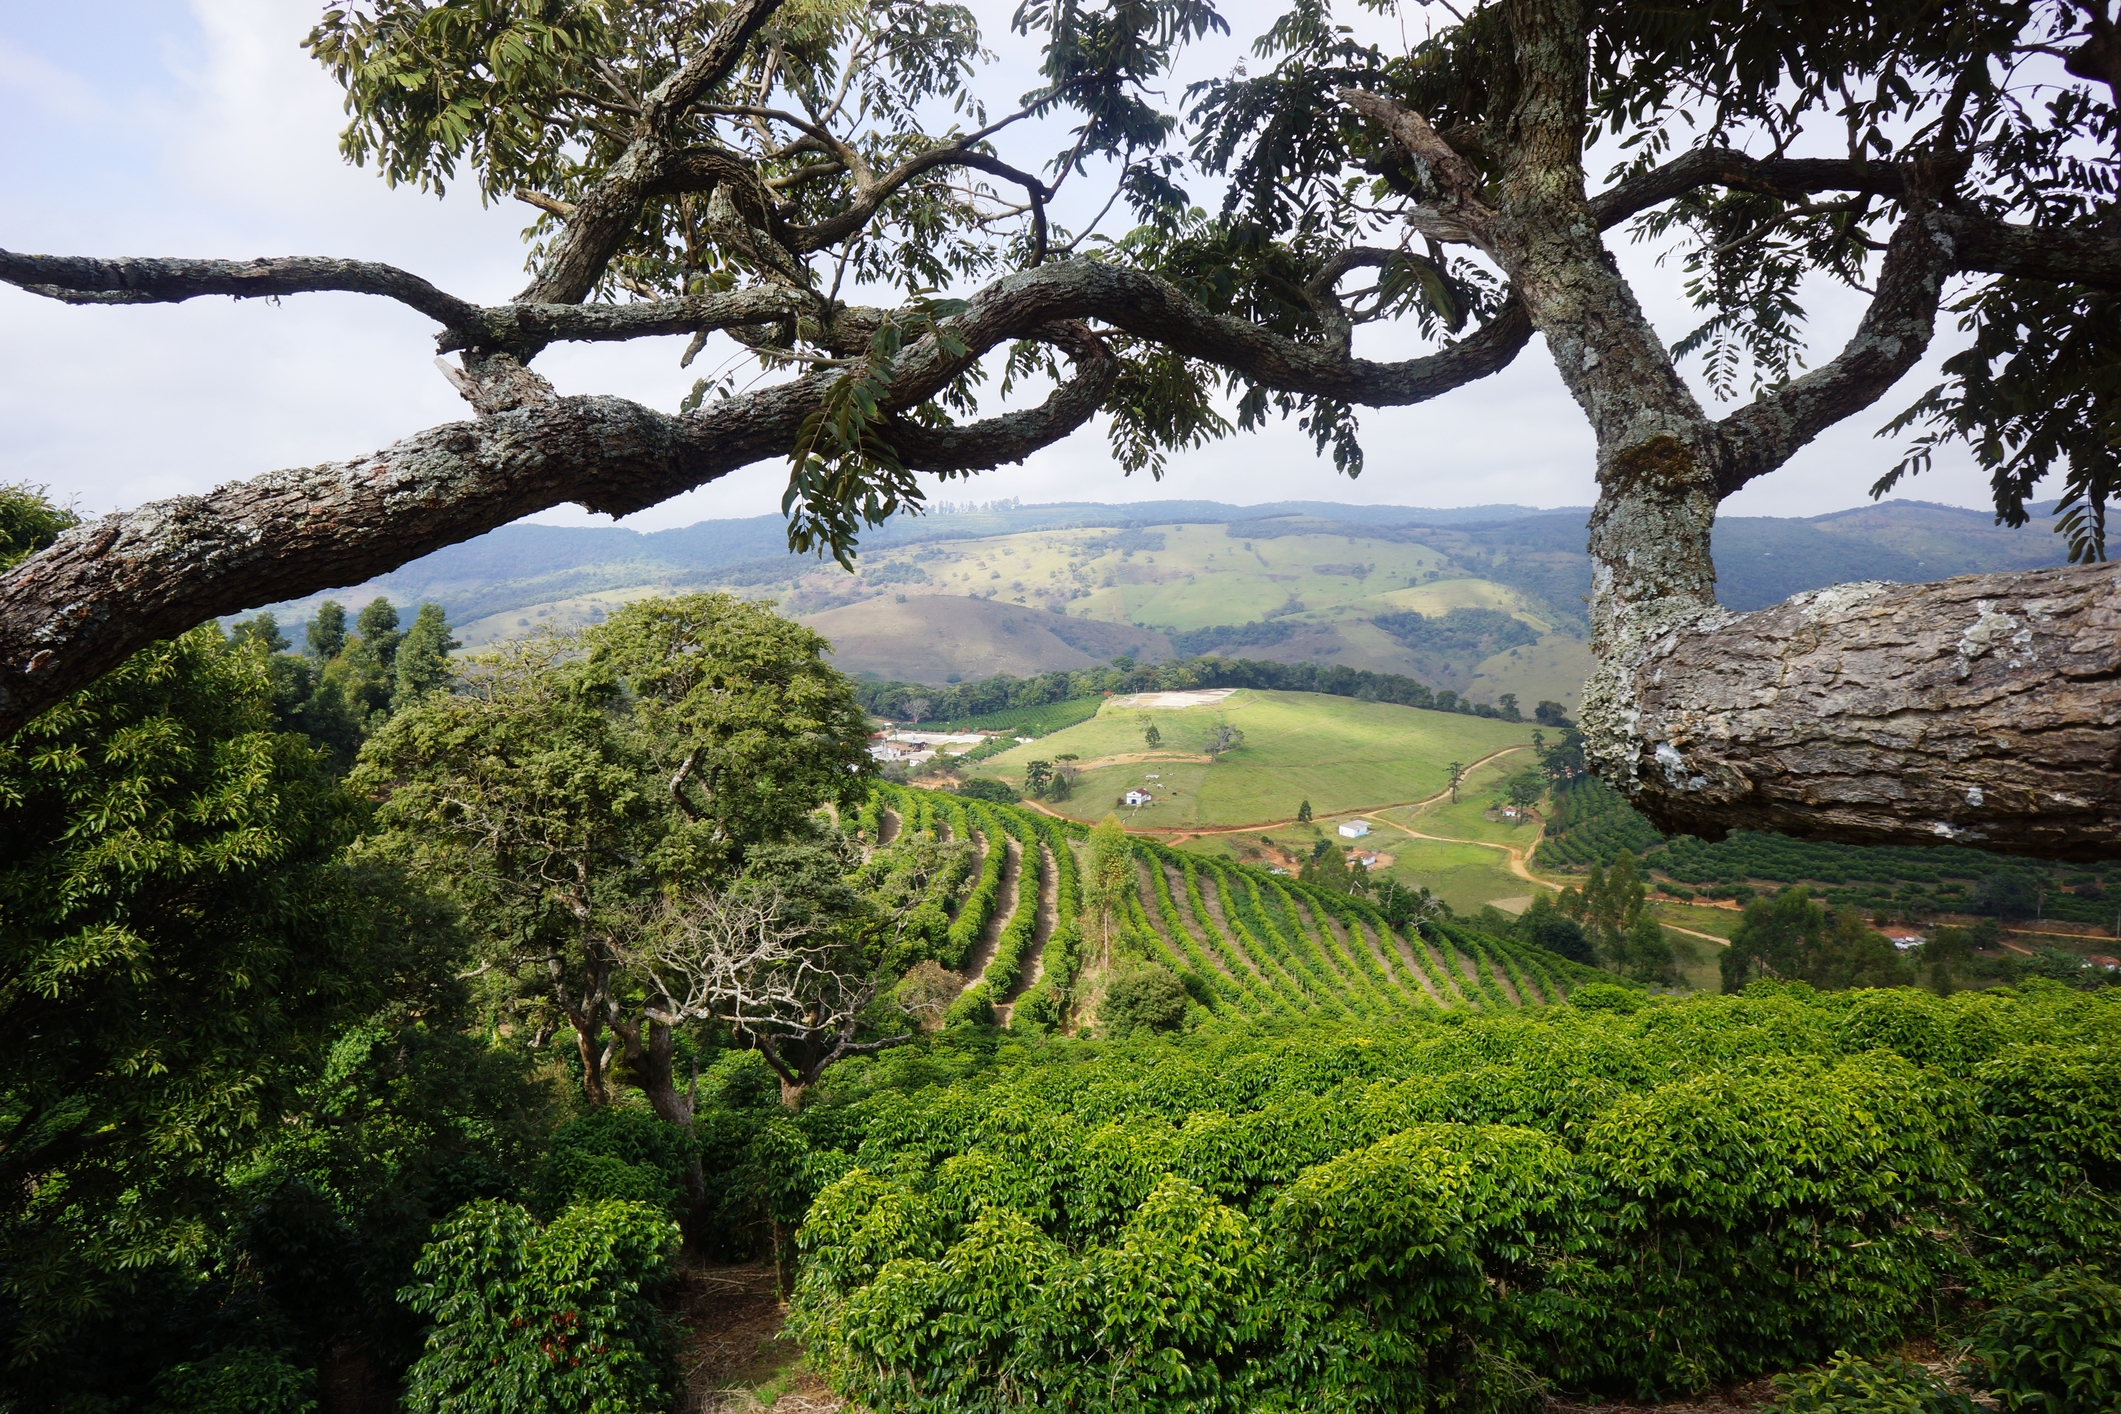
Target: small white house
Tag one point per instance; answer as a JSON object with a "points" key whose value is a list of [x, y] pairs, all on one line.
{"points": [[1136, 797], [1355, 829]]}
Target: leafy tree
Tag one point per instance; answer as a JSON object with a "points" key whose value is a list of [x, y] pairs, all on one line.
{"points": [[1646, 953], [181, 938], [1507, 703], [1328, 869], [1525, 788], [738, 709], [263, 630], [981, 788], [1222, 737], [1791, 936], [1038, 775], [421, 663], [376, 647], [1150, 735], [1457, 770], [326, 635], [1108, 876], [29, 522], [525, 796], [1545, 925], [596, 810], [1551, 714], [1303, 813], [1147, 997]]}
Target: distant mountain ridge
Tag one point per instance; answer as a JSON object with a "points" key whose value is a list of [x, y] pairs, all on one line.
{"points": [[969, 592], [526, 563], [1760, 560]]}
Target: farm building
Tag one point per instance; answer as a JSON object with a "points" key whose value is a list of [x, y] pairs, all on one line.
{"points": [[1355, 829], [1136, 797]]}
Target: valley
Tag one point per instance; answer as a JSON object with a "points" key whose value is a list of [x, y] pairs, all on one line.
{"points": [[965, 593]]}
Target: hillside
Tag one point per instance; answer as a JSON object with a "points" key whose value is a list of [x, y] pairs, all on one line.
{"points": [[1481, 602], [1340, 754], [1022, 944]]}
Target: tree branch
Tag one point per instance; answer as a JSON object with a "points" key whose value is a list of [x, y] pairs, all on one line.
{"points": [[2066, 256], [104, 590], [1011, 437], [605, 217], [1786, 177], [1984, 710], [1890, 339], [80, 279]]}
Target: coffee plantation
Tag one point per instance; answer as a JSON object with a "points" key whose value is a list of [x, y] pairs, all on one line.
{"points": [[1245, 942], [1455, 1209]]}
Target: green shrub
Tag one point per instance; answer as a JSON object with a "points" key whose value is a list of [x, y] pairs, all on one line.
{"points": [[1851, 1385], [2055, 1347], [613, 1154], [1149, 997], [1437, 1211], [240, 1381], [1604, 996], [2051, 1159], [1735, 1222], [526, 1318]]}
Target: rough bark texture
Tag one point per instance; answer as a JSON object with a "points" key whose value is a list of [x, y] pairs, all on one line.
{"points": [[1980, 711]]}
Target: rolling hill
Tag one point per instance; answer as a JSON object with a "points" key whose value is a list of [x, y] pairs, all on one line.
{"points": [[1340, 754], [1482, 602]]}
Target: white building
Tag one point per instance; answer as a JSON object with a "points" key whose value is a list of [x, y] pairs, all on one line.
{"points": [[1136, 797], [1355, 829]]}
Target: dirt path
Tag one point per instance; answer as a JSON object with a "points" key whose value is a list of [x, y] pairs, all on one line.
{"points": [[732, 1347], [1211, 897], [887, 827], [1004, 904], [1048, 920]]}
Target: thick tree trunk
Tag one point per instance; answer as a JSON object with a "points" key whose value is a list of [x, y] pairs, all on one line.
{"points": [[649, 1065], [1981, 711]]}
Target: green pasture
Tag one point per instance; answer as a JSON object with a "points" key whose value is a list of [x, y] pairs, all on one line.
{"points": [[1463, 875], [1340, 754], [1467, 820]]}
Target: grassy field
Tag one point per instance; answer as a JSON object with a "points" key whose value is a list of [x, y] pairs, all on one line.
{"points": [[1340, 754]]}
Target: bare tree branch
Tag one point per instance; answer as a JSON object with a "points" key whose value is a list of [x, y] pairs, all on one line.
{"points": [[78, 279]]}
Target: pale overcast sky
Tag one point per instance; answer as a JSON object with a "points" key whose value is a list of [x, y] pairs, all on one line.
{"points": [[147, 127]]}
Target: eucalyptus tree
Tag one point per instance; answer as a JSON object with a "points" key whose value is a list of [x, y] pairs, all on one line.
{"points": [[741, 167]]}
